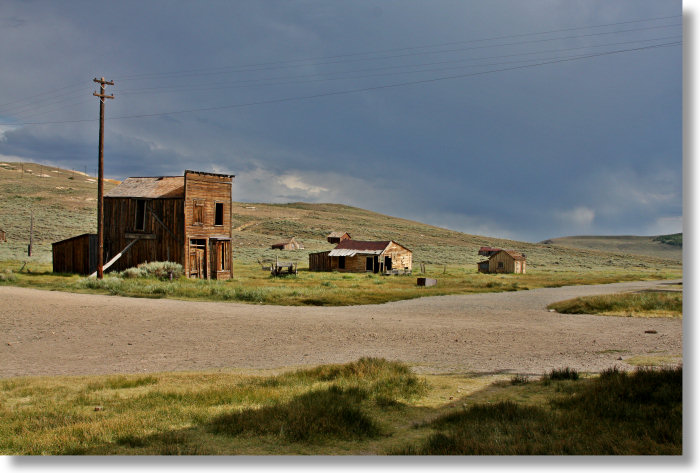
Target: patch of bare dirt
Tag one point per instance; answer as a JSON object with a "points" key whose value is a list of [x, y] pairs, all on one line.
{"points": [[56, 333]]}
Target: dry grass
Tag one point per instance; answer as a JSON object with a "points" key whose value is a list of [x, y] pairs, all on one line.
{"points": [[639, 304], [371, 406]]}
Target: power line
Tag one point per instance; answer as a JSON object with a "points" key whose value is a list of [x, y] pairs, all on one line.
{"points": [[290, 64], [364, 89], [318, 77], [37, 98], [291, 61]]}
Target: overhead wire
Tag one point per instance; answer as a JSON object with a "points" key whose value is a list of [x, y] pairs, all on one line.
{"points": [[364, 89]]}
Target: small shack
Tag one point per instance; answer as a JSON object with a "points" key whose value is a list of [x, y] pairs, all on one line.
{"points": [[504, 261], [3, 237], [75, 255], [290, 244], [355, 256], [337, 237]]}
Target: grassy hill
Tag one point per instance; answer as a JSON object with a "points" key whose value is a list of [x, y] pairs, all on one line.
{"points": [[64, 205], [662, 246]]}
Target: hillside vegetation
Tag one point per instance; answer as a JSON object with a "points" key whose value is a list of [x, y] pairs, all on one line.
{"points": [[64, 205], [662, 246]]}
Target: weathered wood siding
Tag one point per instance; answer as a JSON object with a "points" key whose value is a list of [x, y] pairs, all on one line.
{"points": [[509, 264], [401, 258], [202, 192], [156, 243], [320, 261], [75, 255]]}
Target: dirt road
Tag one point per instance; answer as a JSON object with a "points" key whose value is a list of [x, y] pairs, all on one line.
{"points": [[53, 333]]}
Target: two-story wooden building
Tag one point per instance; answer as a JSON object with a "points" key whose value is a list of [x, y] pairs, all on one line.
{"points": [[185, 219]]}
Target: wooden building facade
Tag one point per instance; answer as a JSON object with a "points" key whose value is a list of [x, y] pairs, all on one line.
{"points": [[184, 219], [354, 256]]}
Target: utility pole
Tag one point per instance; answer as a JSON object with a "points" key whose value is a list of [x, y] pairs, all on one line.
{"points": [[31, 233], [100, 172]]}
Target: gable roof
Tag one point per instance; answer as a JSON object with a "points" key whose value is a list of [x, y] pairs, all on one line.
{"points": [[163, 187], [513, 254], [337, 234]]}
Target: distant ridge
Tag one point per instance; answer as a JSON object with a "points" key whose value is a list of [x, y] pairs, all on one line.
{"points": [[662, 246]]}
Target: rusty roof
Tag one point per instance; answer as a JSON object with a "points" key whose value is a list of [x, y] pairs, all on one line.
{"points": [[163, 187]]}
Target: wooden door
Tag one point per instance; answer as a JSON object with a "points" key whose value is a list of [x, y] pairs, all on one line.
{"points": [[198, 262]]}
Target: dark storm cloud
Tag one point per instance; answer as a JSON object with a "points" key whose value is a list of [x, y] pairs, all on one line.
{"points": [[590, 146]]}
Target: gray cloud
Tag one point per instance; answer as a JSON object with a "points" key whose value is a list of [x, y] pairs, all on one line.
{"points": [[588, 146]]}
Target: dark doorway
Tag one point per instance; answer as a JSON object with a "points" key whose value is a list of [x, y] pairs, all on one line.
{"points": [[341, 262], [369, 266], [387, 262]]}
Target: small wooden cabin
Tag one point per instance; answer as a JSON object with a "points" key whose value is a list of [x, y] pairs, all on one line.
{"points": [[504, 261], [3, 237], [337, 237], [354, 256], [185, 219], [288, 245]]}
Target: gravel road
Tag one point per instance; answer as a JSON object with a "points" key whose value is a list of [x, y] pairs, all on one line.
{"points": [[57, 333]]}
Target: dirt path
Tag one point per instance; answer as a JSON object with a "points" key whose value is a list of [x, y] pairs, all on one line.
{"points": [[53, 333]]}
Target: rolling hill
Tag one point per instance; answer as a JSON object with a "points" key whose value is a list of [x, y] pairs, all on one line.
{"points": [[662, 246], [64, 205]]}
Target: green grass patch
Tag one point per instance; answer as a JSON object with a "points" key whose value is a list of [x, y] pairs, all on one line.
{"points": [[615, 414], [640, 304]]}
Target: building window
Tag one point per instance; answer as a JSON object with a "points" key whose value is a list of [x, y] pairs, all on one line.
{"points": [[219, 215], [500, 265], [140, 223], [198, 213], [341, 262], [369, 265]]}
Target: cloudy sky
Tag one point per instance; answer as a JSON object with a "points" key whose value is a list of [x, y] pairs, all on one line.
{"points": [[519, 119]]}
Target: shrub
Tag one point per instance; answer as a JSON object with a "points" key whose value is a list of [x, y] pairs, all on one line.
{"points": [[561, 374], [157, 269]]}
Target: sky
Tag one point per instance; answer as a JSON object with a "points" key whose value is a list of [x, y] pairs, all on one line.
{"points": [[517, 119]]}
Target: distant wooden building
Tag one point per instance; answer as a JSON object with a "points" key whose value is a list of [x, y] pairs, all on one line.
{"points": [[504, 261], [184, 219], [364, 256], [3, 237], [337, 237], [290, 244]]}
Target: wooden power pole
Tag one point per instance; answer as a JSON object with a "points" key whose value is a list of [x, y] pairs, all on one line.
{"points": [[100, 174]]}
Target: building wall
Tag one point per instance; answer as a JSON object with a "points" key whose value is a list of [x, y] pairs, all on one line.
{"points": [[156, 243], [401, 258], [75, 255], [205, 191]]}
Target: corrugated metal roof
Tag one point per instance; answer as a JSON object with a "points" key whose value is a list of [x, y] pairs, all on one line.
{"points": [[346, 252], [362, 246], [164, 187]]}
